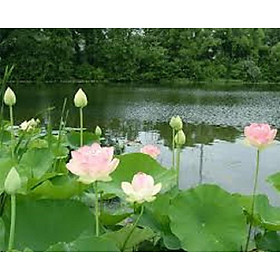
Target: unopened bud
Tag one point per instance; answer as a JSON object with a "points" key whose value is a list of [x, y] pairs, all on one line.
{"points": [[98, 131], [176, 123], [180, 138], [9, 97], [12, 182], [80, 99]]}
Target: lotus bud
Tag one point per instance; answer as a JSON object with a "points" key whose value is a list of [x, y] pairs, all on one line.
{"points": [[176, 123], [180, 138], [80, 99], [12, 182], [98, 131], [9, 97]]}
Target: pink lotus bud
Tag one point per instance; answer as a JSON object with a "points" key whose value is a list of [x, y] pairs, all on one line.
{"points": [[259, 135], [93, 163], [142, 188], [151, 150]]}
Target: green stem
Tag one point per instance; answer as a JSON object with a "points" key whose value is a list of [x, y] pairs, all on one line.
{"points": [[12, 130], [178, 164], [132, 229], [173, 148], [13, 222], [101, 203], [61, 123], [254, 197], [96, 211], [81, 127]]}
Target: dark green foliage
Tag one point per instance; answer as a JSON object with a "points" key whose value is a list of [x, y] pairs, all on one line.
{"points": [[270, 241], [149, 54]]}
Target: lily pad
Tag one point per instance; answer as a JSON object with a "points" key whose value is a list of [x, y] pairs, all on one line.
{"points": [[59, 187], [73, 139], [156, 217], [207, 218], [86, 244], [113, 215], [274, 180], [36, 162], [139, 235], [42, 223]]}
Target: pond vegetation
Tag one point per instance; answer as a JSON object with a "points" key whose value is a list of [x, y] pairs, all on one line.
{"points": [[68, 190]]}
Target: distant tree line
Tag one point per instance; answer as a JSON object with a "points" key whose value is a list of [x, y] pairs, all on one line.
{"points": [[123, 55]]}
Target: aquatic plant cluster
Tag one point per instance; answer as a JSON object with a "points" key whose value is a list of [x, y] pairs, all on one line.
{"points": [[67, 191]]}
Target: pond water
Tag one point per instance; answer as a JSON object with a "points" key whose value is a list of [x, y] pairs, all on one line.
{"points": [[214, 120]]}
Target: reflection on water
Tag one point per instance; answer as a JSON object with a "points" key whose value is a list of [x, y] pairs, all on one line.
{"points": [[215, 118]]}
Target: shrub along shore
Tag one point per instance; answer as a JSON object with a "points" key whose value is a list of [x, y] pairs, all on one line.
{"points": [[142, 54]]}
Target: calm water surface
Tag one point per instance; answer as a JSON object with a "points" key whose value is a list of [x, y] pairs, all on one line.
{"points": [[139, 115]]}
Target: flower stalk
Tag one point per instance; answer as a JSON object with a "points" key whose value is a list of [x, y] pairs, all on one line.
{"points": [[253, 199], [81, 127], [180, 140], [96, 210], [13, 223], [12, 131], [133, 228], [178, 163], [173, 148]]}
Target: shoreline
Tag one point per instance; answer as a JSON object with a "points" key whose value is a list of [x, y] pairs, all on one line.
{"points": [[145, 82]]}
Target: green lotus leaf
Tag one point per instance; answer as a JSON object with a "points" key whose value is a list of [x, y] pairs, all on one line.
{"points": [[59, 187], [274, 180], [207, 218], [73, 139], [269, 241], [85, 244], [156, 217], [36, 162], [139, 235], [42, 223], [265, 214]]}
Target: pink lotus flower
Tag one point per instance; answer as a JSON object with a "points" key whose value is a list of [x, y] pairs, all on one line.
{"points": [[93, 163], [151, 150], [259, 135], [142, 188]]}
